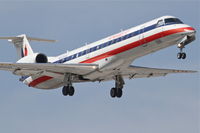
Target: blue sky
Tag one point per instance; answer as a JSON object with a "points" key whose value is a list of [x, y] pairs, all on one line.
{"points": [[154, 105]]}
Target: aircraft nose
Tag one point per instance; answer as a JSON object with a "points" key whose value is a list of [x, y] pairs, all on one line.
{"points": [[190, 30], [193, 29]]}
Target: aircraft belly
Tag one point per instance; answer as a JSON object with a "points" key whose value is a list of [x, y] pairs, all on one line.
{"points": [[49, 84], [52, 83]]}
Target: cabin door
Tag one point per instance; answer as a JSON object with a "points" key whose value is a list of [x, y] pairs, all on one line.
{"points": [[159, 28], [142, 38]]}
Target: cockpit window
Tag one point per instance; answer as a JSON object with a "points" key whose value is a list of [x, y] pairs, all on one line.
{"points": [[160, 23], [173, 21]]}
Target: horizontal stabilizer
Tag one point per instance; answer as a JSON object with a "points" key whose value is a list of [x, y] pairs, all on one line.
{"points": [[28, 38], [40, 39]]}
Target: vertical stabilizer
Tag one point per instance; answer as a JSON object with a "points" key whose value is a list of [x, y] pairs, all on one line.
{"points": [[22, 46]]}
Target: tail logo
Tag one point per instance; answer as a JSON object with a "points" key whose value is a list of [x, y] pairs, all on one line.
{"points": [[24, 52]]}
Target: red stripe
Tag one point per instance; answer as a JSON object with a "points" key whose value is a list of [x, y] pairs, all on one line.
{"points": [[25, 51], [39, 80], [119, 50], [135, 44]]}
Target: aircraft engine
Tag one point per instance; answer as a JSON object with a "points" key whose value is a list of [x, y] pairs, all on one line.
{"points": [[35, 58], [41, 58]]}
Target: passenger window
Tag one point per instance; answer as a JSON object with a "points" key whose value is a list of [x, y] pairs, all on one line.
{"points": [[160, 23], [109, 43], [91, 50], [84, 52], [94, 48], [65, 59], [113, 41], [101, 46], [69, 58], [74, 56], [119, 39], [88, 51], [97, 47], [131, 34], [62, 60], [105, 44], [79, 54], [137, 32], [124, 37]]}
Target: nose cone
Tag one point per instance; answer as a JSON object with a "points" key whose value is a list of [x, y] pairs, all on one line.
{"points": [[189, 30], [193, 29], [190, 35]]}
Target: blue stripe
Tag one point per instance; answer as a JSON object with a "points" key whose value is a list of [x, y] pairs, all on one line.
{"points": [[100, 46], [23, 78], [22, 53], [103, 45]]}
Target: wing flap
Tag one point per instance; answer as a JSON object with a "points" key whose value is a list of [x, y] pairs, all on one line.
{"points": [[34, 68], [142, 72], [157, 70]]}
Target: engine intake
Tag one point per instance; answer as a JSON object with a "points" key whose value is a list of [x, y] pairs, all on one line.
{"points": [[41, 58]]}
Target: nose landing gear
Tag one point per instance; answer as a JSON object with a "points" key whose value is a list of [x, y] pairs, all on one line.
{"points": [[181, 54]]}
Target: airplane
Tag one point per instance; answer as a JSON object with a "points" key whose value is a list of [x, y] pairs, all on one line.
{"points": [[104, 60]]}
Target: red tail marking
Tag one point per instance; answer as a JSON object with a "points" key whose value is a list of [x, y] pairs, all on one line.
{"points": [[25, 51]]}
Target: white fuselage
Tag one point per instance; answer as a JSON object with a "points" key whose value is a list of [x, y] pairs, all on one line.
{"points": [[116, 51]]}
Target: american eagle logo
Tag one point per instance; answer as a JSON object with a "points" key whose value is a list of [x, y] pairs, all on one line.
{"points": [[24, 51]]}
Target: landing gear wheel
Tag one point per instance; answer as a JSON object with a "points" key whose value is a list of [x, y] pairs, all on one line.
{"points": [[179, 55], [117, 90], [71, 91], [183, 56], [119, 93], [113, 92], [65, 90], [68, 90]]}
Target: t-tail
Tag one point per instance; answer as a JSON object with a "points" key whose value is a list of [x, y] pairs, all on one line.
{"points": [[22, 45]]}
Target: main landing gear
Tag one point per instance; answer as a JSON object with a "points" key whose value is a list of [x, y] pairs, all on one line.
{"points": [[117, 90], [68, 89]]}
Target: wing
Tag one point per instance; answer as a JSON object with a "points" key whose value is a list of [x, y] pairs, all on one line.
{"points": [[29, 69], [143, 72]]}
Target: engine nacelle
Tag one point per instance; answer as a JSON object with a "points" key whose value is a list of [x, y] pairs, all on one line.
{"points": [[41, 58], [34, 58]]}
